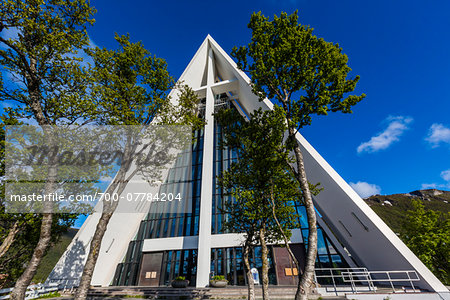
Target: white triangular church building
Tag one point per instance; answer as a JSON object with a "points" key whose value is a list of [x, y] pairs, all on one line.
{"points": [[141, 249]]}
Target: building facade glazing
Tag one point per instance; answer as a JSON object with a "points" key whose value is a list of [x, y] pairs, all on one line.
{"points": [[169, 221]]}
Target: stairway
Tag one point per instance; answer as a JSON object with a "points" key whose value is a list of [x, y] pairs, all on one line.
{"points": [[276, 292]]}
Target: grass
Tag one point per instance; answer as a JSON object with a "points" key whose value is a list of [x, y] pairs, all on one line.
{"points": [[394, 215], [50, 295], [53, 254]]}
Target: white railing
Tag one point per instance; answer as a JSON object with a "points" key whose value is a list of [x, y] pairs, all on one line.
{"points": [[337, 274], [383, 277], [358, 278], [33, 291]]}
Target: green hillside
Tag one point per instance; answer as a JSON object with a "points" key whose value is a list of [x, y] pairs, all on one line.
{"points": [[425, 229], [392, 208], [53, 255]]}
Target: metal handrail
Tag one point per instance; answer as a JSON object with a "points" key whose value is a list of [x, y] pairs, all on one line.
{"points": [[33, 291], [334, 273], [362, 275], [348, 276]]}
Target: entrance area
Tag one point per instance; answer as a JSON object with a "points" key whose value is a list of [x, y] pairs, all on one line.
{"points": [[150, 270], [160, 268], [285, 269]]}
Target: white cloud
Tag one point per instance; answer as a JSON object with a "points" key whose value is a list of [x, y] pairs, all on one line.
{"points": [[426, 186], [446, 175], [396, 127], [438, 134], [365, 189]]}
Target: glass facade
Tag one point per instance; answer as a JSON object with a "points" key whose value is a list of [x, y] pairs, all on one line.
{"points": [[172, 220], [179, 262], [230, 263], [223, 158], [169, 219], [327, 255]]}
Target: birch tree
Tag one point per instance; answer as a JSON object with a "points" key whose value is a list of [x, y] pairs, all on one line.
{"points": [[251, 181], [41, 78], [306, 76], [131, 90]]}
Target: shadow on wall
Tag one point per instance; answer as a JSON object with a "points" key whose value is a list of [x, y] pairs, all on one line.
{"points": [[68, 270]]}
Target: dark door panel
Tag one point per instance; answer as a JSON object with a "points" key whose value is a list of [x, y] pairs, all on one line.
{"points": [[150, 271], [285, 268]]}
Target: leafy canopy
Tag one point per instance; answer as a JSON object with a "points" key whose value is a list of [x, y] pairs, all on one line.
{"points": [[42, 77], [259, 175], [129, 84], [287, 62], [427, 234], [15, 260]]}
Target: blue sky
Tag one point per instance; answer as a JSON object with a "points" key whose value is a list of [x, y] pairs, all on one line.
{"points": [[398, 138]]}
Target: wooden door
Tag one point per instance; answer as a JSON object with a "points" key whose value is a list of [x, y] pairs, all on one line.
{"points": [[287, 273], [150, 271]]}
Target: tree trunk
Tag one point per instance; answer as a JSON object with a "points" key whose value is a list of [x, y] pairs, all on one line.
{"points": [[119, 182], [44, 240], [265, 263], [96, 242], [94, 251], [7, 242], [306, 282], [45, 235], [248, 272], [286, 240]]}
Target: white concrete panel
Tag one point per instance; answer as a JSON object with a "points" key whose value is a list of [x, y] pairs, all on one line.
{"points": [[193, 74], [227, 240], [114, 246], [174, 243], [225, 86], [191, 242], [372, 243], [238, 239], [204, 243], [121, 229], [69, 268]]}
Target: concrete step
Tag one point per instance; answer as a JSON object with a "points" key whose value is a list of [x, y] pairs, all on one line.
{"points": [[230, 292]]}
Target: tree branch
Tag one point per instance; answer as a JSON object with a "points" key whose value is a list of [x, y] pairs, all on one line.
{"points": [[19, 53]]}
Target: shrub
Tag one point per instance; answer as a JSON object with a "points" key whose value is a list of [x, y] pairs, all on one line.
{"points": [[218, 277]]}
